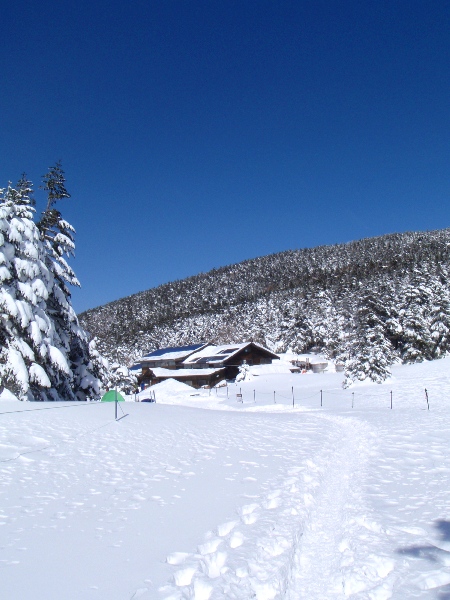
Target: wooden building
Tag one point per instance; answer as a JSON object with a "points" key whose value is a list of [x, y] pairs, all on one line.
{"points": [[201, 364], [230, 357], [193, 377]]}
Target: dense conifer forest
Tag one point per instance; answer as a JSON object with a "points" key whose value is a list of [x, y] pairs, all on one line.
{"points": [[367, 303]]}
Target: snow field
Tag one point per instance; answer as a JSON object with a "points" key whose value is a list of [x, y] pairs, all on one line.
{"points": [[244, 501]]}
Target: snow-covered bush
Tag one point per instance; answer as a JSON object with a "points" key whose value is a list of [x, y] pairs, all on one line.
{"points": [[244, 373], [121, 378]]}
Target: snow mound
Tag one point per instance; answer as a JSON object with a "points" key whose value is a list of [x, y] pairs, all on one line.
{"points": [[276, 367], [172, 385], [7, 395], [169, 391]]}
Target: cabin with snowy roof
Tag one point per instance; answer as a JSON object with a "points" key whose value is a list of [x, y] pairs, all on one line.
{"points": [[169, 358], [202, 364]]}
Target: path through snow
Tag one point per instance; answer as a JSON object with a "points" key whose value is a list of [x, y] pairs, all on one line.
{"points": [[185, 503]]}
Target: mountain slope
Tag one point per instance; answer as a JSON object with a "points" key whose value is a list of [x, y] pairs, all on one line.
{"points": [[296, 299]]}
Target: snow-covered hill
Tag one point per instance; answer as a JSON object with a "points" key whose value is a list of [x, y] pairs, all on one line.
{"points": [[221, 499], [369, 302]]}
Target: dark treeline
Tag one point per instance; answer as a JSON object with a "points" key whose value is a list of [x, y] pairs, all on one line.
{"points": [[367, 304]]}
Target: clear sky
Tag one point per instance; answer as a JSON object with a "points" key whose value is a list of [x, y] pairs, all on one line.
{"points": [[195, 134]]}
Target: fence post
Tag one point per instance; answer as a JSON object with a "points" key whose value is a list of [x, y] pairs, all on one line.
{"points": [[320, 398], [274, 398], [426, 395], [353, 398], [254, 395], [391, 399]]}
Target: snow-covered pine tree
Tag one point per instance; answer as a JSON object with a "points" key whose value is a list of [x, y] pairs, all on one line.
{"points": [[90, 377], [25, 330], [370, 352], [440, 317], [415, 320], [78, 380], [121, 378]]}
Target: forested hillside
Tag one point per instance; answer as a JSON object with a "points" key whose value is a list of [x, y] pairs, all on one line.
{"points": [[367, 303]]}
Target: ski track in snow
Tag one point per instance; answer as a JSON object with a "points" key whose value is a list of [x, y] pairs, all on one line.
{"points": [[299, 539]]}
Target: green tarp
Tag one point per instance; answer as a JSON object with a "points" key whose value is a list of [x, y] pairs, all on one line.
{"points": [[112, 396]]}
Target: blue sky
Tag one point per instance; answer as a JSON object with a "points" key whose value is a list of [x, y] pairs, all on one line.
{"points": [[195, 134]]}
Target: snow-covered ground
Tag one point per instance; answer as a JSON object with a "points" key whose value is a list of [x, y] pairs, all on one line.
{"points": [[252, 499]]}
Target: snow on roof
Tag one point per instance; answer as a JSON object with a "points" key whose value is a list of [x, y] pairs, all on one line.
{"points": [[171, 353], [217, 354], [159, 372]]}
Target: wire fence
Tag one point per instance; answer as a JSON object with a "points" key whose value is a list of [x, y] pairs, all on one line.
{"points": [[296, 399], [70, 438], [80, 405]]}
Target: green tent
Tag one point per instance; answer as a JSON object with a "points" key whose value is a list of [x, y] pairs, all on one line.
{"points": [[112, 396]]}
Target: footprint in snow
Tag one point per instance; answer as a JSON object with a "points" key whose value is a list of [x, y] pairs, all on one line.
{"points": [[248, 509], [177, 558], [226, 528], [236, 539], [272, 503], [184, 576], [214, 564], [202, 590], [277, 547], [249, 519], [209, 547]]}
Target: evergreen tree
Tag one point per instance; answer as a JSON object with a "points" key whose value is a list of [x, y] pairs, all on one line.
{"points": [[26, 332], [44, 352], [440, 318], [58, 238], [416, 342], [89, 376], [121, 378], [370, 353]]}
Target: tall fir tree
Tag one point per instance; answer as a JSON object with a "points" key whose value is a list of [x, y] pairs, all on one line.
{"points": [[26, 332], [44, 352], [58, 237], [370, 352], [415, 320], [440, 317]]}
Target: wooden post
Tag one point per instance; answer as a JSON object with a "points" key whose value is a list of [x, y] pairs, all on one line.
{"points": [[391, 399], [254, 395], [274, 398], [426, 396], [320, 398]]}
